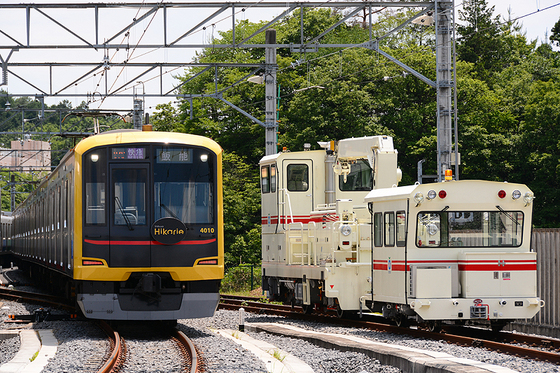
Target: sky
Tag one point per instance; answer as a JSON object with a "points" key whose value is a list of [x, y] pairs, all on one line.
{"points": [[536, 16]]}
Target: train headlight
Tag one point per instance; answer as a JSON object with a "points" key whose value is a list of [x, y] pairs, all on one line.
{"points": [[432, 229], [528, 197], [432, 194], [94, 157], [345, 230], [418, 198], [516, 194], [204, 157]]}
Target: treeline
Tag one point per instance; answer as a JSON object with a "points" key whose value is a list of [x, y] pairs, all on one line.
{"points": [[50, 123], [508, 104]]}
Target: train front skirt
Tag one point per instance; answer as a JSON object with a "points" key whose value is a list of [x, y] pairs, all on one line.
{"points": [[113, 306]]}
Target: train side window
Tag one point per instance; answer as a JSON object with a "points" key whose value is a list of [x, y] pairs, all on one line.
{"points": [[378, 229], [401, 228], [390, 229], [265, 179], [273, 178], [298, 177]]}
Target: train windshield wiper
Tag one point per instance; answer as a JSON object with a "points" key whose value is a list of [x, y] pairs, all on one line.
{"points": [[169, 211], [508, 215], [128, 223]]}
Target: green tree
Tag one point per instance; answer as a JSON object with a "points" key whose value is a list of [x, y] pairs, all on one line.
{"points": [[334, 94], [241, 211], [555, 34], [486, 42], [539, 150]]}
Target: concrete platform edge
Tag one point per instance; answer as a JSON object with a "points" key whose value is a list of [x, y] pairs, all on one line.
{"points": [[265, 352], [41, 342], [405, 358]]}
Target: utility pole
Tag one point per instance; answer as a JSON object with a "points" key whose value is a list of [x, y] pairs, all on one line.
{"points": [[445, 86], [138, 110], [271, 126], [12, 192]]}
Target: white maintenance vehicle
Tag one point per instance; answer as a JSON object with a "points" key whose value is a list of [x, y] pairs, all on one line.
{"points": [[338, 234]]}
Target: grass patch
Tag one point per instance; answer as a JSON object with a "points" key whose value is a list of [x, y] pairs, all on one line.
{"points": [[34, 356], [237, 280]]}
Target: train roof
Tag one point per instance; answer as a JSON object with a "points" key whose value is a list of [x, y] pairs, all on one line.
{"points": [[388, 194], [136, 136], [482, 188]]}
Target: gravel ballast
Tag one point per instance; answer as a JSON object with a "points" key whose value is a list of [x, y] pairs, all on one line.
{"points": [[82, 346]]}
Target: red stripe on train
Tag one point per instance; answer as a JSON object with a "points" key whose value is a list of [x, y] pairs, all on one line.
{"points": [[520, 265], [130, 243]]}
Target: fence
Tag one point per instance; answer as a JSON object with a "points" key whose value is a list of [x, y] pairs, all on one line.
{"points": [[244, 277], [546, 242]]}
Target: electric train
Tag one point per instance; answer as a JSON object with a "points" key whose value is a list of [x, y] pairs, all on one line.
{"points": [[339, 234], [131, 222]]}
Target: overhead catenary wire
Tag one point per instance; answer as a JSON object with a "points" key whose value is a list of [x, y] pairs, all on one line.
{"points": [[134, 56]]}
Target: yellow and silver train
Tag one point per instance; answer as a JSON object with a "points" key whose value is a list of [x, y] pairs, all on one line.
{"points": [[337, 233], [132, 223]]}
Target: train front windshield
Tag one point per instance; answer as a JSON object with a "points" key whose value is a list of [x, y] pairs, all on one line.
{"points": [[469, 228], [183, 185], [360, 177]]}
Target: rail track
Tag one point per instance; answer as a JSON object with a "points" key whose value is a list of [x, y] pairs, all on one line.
{"points": [[118, 348], [527, 346], [189, 352], [118, 356], [38, 298]]}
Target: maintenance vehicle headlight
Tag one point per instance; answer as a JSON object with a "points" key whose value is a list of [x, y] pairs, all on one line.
{"points": [[516, 194], [432, 194], [432, 229], [418, 197], [528, 197], [345, 230]]}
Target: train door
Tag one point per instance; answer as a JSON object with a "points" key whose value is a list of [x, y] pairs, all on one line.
{"points": [[389, 254], [129, 215], [297, 197]]}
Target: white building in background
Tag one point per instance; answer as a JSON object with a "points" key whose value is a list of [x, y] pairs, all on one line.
{"points": [[27, 155]]}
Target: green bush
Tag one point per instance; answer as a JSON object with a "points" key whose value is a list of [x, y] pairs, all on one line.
{"points": [[238, 279]]}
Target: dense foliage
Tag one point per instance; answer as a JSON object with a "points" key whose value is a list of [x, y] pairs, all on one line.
{"points": [[52, 124], [508, 105]]}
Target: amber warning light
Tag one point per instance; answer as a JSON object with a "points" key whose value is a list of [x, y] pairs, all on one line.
{"points": [[448, 175]]}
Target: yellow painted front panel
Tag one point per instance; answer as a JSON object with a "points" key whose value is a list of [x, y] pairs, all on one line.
{"points": [[103, 273]]}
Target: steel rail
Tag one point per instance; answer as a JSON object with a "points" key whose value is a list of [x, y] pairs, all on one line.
{"points": [[118, 354], [50, 300], [189, 349]]}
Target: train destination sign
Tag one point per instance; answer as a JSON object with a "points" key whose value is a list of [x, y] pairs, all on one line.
{"points": [[128, 153], [168, 231], [174, 155]]}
